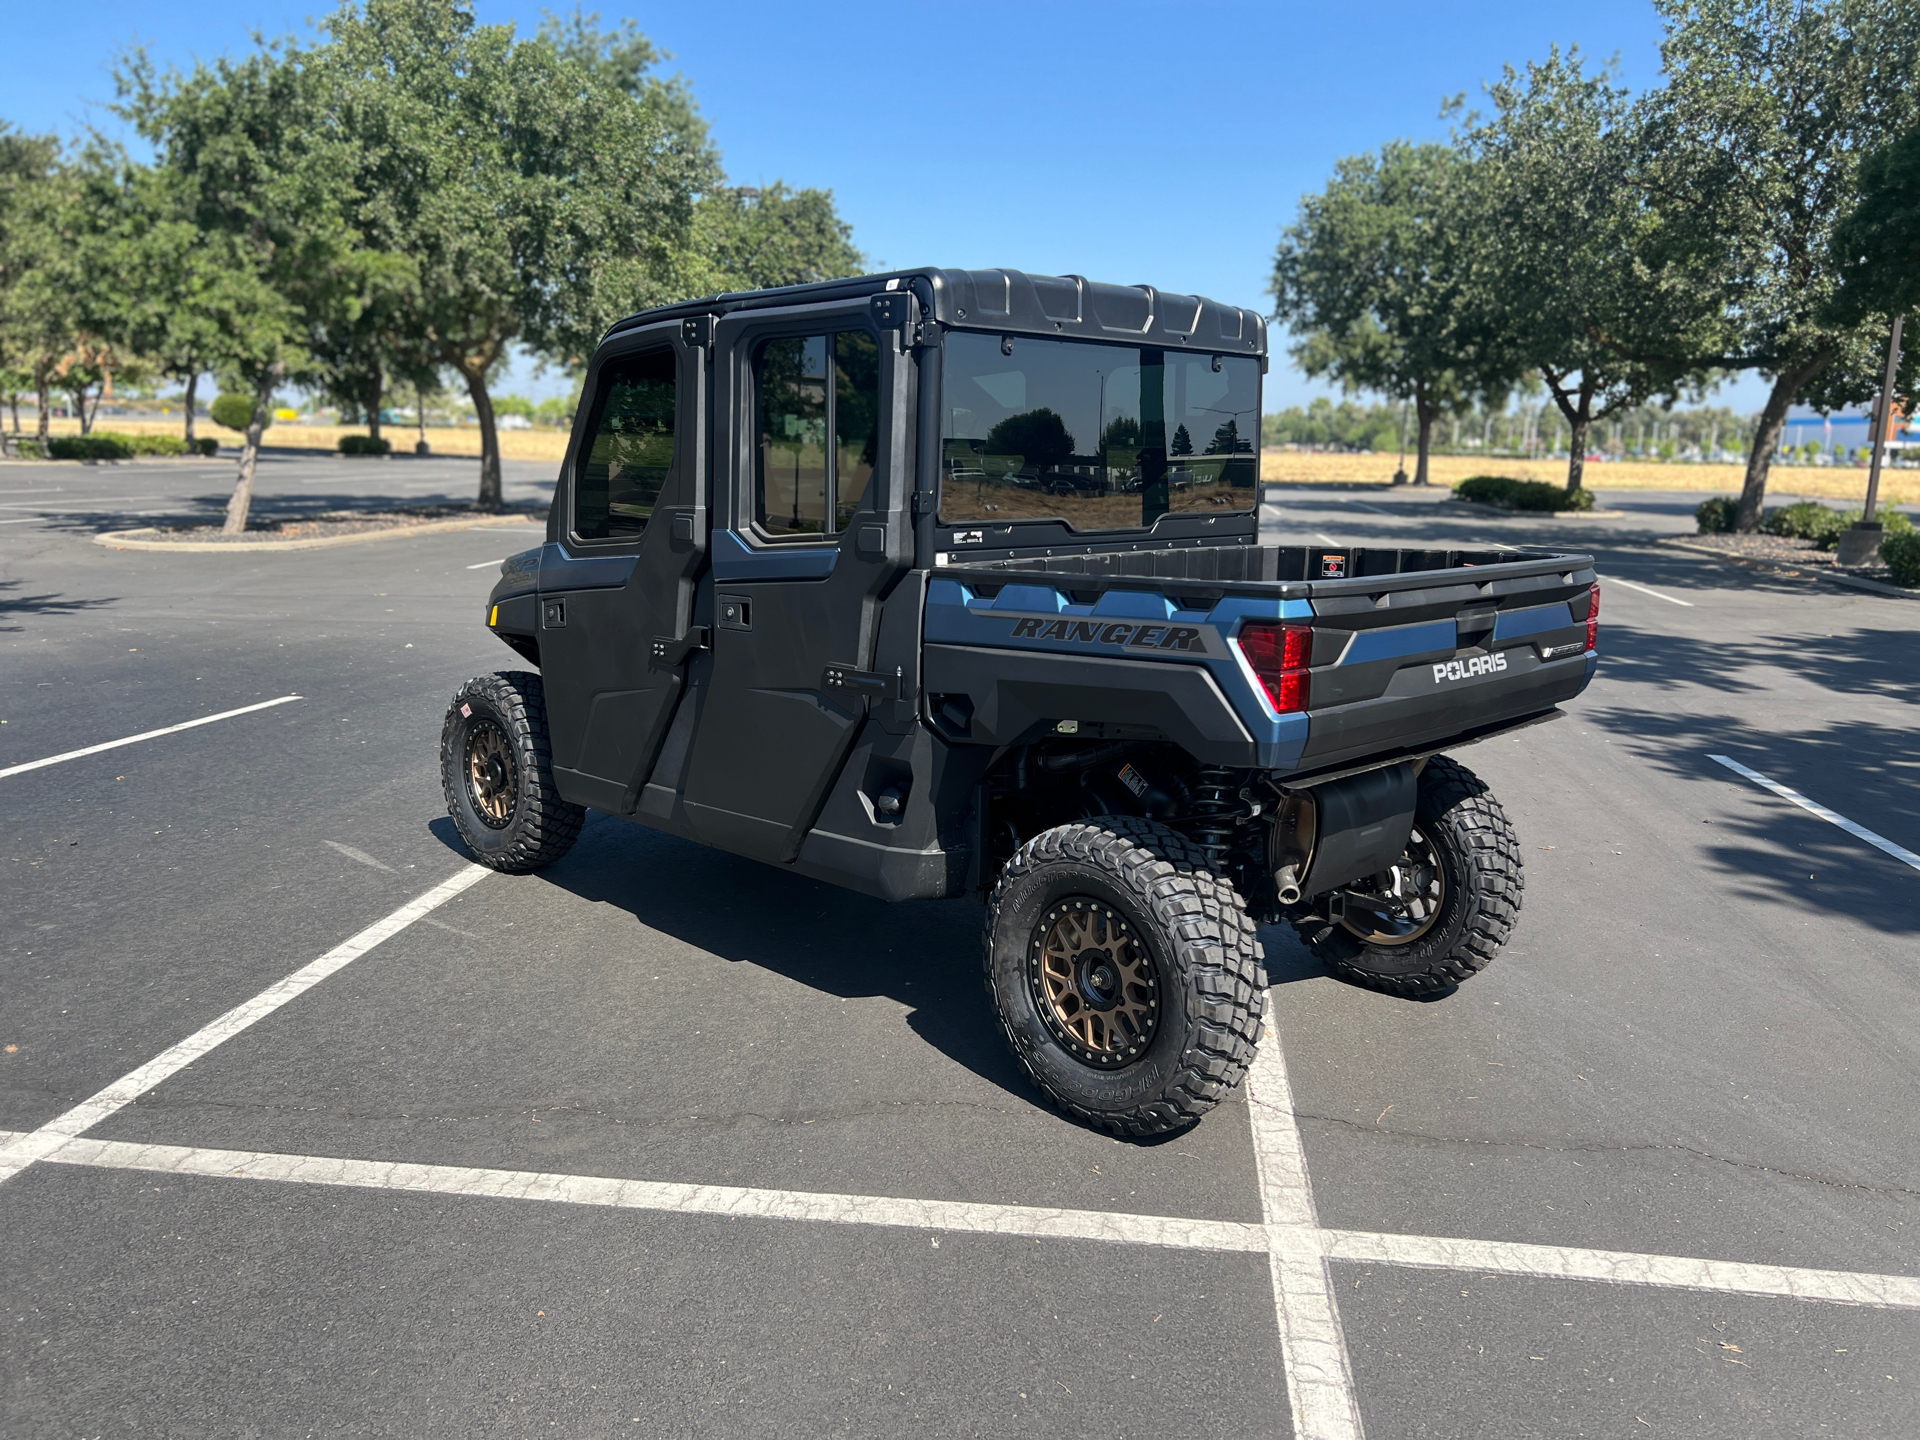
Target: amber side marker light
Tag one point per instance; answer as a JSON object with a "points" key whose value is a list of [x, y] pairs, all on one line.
{"points": [[493, 618], [1279, 655]]}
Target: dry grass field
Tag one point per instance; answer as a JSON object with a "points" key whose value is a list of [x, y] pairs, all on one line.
{"points": [[445, 439], [1900, 487]]}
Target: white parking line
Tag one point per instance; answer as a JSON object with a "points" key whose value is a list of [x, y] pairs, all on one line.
{"points": [[1813, 807], [733, 1200], [1305, 1244], [23, 1150], [1613, 579], [360, 855], [1671, 1272], [23, 520], [1313, 1350], [146, 735], [1326, 539], [485, 563], [1374, 508]]}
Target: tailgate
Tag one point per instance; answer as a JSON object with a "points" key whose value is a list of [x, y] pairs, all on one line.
{"points": [[1408, 661]]}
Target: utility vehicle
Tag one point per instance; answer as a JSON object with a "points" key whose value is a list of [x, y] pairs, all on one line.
{"points": [[949, 583]]}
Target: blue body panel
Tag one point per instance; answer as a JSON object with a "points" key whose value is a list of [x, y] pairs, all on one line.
{"points": [[1535, 620], [561, 571], [957, 615], [735, 560]]}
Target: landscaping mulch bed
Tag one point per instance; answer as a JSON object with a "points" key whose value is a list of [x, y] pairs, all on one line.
{"points": [[336, 523], [1782, 549]]}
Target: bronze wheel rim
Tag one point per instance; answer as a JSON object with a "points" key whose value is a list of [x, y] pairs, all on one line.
{"points": [[1094, 983], [1401, 903], [492, 777]]}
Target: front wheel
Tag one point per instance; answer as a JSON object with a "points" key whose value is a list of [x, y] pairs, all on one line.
{"points": [[496, 770], [1125, 974], [1439, 914]]}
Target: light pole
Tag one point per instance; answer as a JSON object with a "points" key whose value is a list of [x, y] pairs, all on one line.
{"points": [[1860, 542]]}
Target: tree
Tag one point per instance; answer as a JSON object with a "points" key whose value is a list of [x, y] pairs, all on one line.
{"points": [[535, 197], [753, 239], [1781, 99], [1876, 246], [40, 286], [1584, 271], [261, 176], [1039, 436], [1373, 281]]}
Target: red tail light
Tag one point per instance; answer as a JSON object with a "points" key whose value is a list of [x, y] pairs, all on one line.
{"points": [[1593, 618], [1279, 655]]}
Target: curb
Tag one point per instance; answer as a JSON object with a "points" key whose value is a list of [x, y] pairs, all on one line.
{"points": [[1483, 506], [1852, 582], [132, 539]]}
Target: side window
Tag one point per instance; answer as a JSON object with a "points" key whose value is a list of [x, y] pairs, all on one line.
{"points": [[629, 451], [817, 403]]}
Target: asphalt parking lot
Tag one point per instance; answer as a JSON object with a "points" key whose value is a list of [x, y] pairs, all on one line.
{"points": [[667, 1142]]}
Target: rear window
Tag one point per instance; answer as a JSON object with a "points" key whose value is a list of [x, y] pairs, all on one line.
{"points": [[629, 450], [1105, 437]]}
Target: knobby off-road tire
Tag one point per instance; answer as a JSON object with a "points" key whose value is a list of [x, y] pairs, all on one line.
{"points": [[1177, 934], [1479, 859], [496, 769]]}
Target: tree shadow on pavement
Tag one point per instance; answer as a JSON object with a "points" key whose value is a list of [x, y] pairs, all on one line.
{"points": [[1776, 853], [15, 604]]}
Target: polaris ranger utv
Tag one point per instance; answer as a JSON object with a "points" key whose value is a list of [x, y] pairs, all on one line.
{"points": [[949, 583]]}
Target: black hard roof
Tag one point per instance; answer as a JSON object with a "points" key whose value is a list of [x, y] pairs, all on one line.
{"points": [[1009, 300]]}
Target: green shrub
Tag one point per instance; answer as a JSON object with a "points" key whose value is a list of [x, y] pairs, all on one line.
{"points": [[1522, 494], [206, 445], [155, 444], [365, 445], [1810, 520], [1716, 516], [234, 412], [1901, 550], [29, 450], [99, 446]]}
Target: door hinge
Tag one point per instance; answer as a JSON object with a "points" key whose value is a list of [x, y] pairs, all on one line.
{"points": [[671, 654], [865, 682]]}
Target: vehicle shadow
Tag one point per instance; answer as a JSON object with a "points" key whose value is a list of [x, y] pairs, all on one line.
{"points": [[923, 954]]}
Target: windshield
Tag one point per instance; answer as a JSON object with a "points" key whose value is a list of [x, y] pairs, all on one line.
{"points": [[1105, 437]]}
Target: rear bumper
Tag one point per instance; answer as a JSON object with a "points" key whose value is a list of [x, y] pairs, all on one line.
{"points": [[1426, 717]]}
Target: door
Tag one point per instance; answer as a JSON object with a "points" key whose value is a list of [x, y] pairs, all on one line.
{"points": [[817, 473], [616, 590]]}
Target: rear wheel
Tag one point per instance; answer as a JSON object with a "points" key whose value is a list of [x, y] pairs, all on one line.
{"points": [[1440, 914], [496, 770], [1125, 973]]}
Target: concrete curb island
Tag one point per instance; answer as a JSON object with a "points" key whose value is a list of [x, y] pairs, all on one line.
{"points": [[137, 539], [1852, 582]]}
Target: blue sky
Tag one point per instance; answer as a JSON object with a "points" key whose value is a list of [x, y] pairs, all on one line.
{"points": [[1157, 143]]}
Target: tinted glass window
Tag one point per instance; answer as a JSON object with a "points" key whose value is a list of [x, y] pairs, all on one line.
{"points": [[630, 447], [818, 437], [856, 418], [1103, 436], [791, 484]]}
